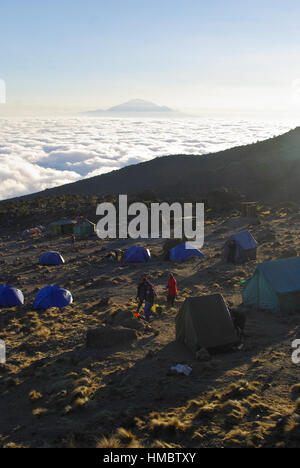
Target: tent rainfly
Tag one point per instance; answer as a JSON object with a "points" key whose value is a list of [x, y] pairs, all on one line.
{"points": [[10, 296], [84, 228], [137, 254], [274, 286], [205, 322], [51, 258], [240, 248], [64, 226], [52, 296], [184, 251]]}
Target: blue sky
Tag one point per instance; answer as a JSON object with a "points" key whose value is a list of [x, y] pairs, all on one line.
{"points": [[84, 54]]}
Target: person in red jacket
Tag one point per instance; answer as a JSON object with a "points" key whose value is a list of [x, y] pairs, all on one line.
{"points": [[172, 290]]}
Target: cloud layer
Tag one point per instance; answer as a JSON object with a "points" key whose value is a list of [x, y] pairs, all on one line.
{"points": [[38, 154]]}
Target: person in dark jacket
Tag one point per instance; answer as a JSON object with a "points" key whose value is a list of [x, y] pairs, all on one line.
{"points": [[232, 250], [141, 293], [145, 293], [239, 319]]}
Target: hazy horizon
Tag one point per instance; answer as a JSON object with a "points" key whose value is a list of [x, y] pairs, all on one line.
{"points": [[64, 57]]}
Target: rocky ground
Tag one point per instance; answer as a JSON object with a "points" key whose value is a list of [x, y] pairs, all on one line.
{"points": [[57, 392]]}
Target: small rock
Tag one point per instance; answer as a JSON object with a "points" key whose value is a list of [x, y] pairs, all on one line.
{"points": [[203, 355]]}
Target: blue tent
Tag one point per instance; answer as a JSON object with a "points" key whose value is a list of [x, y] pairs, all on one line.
{"points": [[182, 252], [240, 247], [137, 255], [10, 296], [51, 258], [274, 286], [52, 296]]}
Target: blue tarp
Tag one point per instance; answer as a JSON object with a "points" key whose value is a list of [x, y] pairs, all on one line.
{"points": [[10, 296], [51, 258], [245, 240], [137, 254], [181, 252], [52, 296]]}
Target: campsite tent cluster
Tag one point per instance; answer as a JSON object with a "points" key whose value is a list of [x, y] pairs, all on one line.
{"points": [[181, 252], [54, 296], [240, 248], [80, 226], [50, 296], [205, 321]]}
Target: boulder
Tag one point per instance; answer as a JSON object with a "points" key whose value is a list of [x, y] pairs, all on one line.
{"points": [[106, 336], [134, 324], [265, 235], [121, 316]]}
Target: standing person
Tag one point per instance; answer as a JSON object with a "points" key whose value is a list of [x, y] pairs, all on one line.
{"points": [[172, 290], [141, 293], [150, 295], [232, 251], [72, 241], [145, 293]]}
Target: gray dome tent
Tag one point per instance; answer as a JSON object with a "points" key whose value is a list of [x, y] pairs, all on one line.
{"points": [[240, 248]]}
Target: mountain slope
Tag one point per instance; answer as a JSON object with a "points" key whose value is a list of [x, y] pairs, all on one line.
{"points": [[264, 170]]}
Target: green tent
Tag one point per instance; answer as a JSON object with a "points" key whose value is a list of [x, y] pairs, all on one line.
{"points": [[205, 322], [64, 226], [84, 228], [274, 286]]}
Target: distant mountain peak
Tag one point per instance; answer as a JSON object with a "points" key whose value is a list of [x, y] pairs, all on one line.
{"points": [[135, 106], [139, 105]]}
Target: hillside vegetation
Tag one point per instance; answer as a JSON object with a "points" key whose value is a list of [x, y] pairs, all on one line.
{"points": [[57, 392]]}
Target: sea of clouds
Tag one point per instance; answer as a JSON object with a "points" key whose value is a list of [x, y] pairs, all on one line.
{"points": [[38, 154]]}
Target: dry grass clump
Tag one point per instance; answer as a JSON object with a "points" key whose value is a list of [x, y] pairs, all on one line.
{"points": [[82, 381], [122, 439], [111, 442], [207, 410], [13, 445], [233, 410], [236, 437], [168, 422], [34, 395], [252, 435], [238, 390], [39, 412], [258, 362], [81, 392], [80, 402], [165, 445], [295, 390]]}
